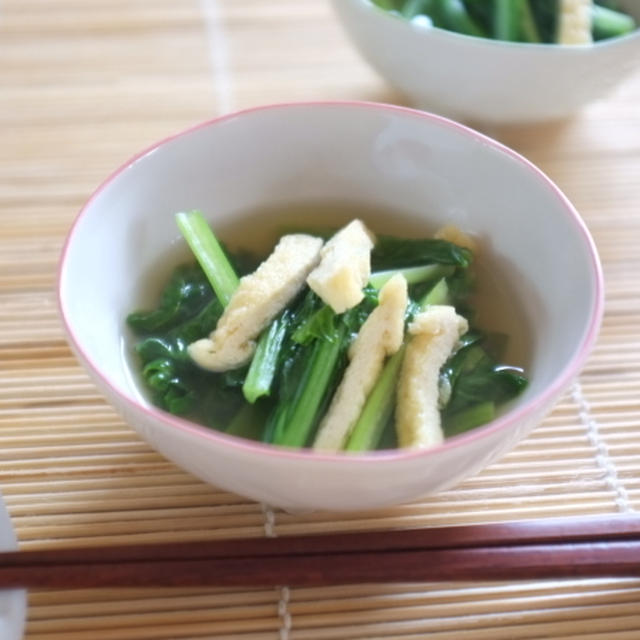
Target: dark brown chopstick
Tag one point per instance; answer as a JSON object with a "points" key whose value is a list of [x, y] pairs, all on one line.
{"points": [[550, 548]]}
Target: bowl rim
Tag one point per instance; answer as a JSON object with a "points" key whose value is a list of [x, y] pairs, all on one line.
{"points": [[549, 47], [502, 423]]}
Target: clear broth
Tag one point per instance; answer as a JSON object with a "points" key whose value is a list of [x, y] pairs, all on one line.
{"points": [[495, 302]]}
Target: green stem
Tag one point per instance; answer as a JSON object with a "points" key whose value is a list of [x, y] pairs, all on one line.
{"points": [[379, 405], [209, 254], [438, 294], [263, 364], [456, 18], [413, 275], [506, 20], [387, 5], [296, 423], [606, 23], [528, 27], [414, 8], [378, 409]]}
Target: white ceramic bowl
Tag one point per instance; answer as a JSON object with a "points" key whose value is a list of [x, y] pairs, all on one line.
{"points": [[482, 80], [427, 171]]}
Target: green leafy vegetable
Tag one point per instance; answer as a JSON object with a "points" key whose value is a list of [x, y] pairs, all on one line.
{"points": [[414, 8], [209, 253], [533, 21], [375, 417], [610, 23], [189, 310], [184, 295], [283, 393], [323, 338], [378, 410], [506, 19], [413, 275], [455, 17], [470, 418], [262, 370], [387, 5], [472, 377], [397, 253], [529, 31]]}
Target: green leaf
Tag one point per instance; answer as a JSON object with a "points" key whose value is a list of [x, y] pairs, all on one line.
{"points": [[467, 419], [185, 293], [398, 253]]}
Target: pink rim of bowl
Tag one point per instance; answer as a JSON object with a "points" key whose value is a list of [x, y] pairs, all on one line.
{"points": [[560, 382]]}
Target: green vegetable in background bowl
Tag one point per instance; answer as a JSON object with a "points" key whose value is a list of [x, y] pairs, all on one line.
{"points": [[533, 21], [323, 342]]}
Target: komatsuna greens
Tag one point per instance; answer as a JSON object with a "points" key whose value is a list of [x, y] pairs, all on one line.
{"points": [[532, 21], [281, 395]]}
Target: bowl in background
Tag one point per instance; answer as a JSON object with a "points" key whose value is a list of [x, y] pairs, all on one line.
{"points": [[487, 81], [426, 171]]}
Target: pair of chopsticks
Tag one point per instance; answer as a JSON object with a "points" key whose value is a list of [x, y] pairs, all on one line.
{"points": [[534, 549]]}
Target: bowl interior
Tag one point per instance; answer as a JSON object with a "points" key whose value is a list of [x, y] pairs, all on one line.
{"points": [[424, 171], [421, 170]]}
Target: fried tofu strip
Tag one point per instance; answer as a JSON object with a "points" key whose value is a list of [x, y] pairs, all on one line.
{"points": [[434, 334], [574, 22], [344, 268], [380, 336], [258, 299]]}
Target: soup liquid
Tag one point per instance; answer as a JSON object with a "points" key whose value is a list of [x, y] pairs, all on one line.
{"points": [[494, 300]]}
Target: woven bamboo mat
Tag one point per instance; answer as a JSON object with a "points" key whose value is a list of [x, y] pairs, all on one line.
{"points": [[84, 84]]}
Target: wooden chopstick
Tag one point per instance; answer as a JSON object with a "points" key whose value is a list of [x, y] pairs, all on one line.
{"points": [[549, 548]]}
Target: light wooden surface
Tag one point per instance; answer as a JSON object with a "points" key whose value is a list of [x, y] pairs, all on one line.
{"points": [[84, 84]]}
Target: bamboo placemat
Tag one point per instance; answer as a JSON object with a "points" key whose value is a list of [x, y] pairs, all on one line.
{"points": [[83, 86]]}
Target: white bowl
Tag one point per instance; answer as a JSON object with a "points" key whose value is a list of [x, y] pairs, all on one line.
{"points": [[482, 80], [426, 171]]}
